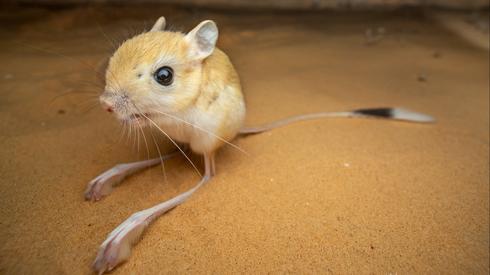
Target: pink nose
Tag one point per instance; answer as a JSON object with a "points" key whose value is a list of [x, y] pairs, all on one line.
{"points": [[106, 106]]}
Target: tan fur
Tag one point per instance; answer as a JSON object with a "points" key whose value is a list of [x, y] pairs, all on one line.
{"points": [[205, 92], [203, 107]]}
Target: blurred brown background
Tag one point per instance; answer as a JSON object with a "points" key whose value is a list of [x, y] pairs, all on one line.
{"points": [[335, 196], [287, 4]]}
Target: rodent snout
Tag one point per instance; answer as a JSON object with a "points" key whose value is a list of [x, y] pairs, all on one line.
{"points": [[106, 105]]}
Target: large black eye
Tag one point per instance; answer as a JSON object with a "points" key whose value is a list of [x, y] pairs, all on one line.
{"points": [[164, 75]]}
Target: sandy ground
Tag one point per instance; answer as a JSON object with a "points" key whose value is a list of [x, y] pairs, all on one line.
{"points": [[329, 196]]}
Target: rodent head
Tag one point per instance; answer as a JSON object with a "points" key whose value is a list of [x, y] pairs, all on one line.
{"points": [[157, 70]]}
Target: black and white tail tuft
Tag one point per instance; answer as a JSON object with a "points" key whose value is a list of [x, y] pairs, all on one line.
{"points": [[394, 113]]}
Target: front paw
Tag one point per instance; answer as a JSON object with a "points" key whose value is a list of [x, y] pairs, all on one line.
{"points": [[102, 185]]}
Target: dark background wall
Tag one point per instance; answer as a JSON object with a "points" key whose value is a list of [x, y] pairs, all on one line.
{"points": [[288, 4]]}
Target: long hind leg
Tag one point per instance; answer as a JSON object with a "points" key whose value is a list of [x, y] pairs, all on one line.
{"points": [[102, 185], [117, 247]]}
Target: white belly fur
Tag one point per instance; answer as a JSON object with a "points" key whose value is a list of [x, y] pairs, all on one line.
{"points": [[223, 118]]}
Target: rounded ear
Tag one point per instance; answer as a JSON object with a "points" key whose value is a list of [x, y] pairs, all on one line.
{"points": [[159, 25], [202, 39]]}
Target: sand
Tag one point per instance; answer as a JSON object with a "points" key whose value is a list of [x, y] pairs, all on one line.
{"points": [[327, 196]]}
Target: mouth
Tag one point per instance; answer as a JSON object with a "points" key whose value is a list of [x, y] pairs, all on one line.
{"points": [[137, 117]]}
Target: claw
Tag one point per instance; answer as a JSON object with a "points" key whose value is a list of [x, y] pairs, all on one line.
{"points": [[117, 247], [102, 185]]}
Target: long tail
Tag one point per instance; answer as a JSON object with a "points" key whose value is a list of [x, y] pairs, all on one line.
{"points": [[385, 113]]}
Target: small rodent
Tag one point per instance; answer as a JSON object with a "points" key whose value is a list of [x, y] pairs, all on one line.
{"points": [[187, 88]]}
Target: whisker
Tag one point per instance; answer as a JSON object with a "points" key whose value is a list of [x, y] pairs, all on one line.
{"points": [[125, 127], [131, 130], [90, 102], [122, 131], [202, 129], [134, 136], [138, 141], [130, 134], [58, 54], [144, 139], [163, 132], [91, 95], [90, 84], [114, 47], [160, 154], [88, 109]]}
